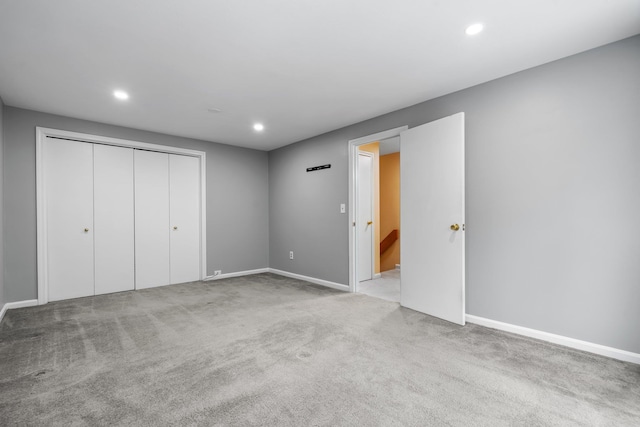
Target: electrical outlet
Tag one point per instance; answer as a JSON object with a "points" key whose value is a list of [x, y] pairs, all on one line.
{"points": [[217, 273], [290, 254]]}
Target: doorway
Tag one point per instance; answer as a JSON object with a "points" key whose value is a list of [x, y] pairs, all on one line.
{"points": [[432, 216], [378, 223], [381, 283]]}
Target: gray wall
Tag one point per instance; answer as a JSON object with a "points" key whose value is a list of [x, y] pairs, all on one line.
{"points": [[305, 209], [553, 195], [237, 197], [2, 299]]}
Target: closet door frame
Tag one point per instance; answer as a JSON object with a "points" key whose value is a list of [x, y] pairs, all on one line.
{"points": [[41, 193]]}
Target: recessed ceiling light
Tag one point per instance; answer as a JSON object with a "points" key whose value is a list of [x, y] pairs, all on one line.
{"points": [[120, 94], [474, 29], [258, 127]]}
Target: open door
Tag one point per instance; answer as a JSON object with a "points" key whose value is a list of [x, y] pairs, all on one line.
{"points": [[364, 222], [432, 218]]}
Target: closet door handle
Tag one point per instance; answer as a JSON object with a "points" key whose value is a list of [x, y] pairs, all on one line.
{"points": [[86, 230], [175, 227]]}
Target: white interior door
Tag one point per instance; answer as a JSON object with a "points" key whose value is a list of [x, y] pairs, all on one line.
{"points": [[113, 219], [364, 222], [432, 204], [68, 176], [152, 253], [184, 184]]}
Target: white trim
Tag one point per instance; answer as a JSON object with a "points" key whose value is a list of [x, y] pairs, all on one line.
{"points": [[17, 304], [602, 350], [41, 223], [377, 276], [464, 213], [353, 157], [236, 274], [97, 139], [386, 134], [326, 283], [21, 304]]}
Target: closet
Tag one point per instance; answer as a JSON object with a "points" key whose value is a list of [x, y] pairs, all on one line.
{"points": [[118, 218], [167, 207]]}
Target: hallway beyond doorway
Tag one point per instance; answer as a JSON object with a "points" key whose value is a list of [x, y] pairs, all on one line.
{"points": [[386, 287]]}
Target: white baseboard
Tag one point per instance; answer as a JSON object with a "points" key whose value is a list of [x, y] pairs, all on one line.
{"points": [[326, 283], [397, 266], [602, 350], [377, 276], [237, 274], [17, 304]]}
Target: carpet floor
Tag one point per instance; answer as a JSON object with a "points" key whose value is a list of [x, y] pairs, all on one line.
{"points": [[270, 350]]}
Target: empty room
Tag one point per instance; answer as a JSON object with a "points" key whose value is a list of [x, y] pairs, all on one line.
{"points": [[292, 213]]}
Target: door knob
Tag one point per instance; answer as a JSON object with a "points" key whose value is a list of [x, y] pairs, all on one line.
{"points": [[369, 222], [455, 227], [86, 230], [175, 227]]}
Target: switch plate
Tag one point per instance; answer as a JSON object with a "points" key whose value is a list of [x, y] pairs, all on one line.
{"points": [[290, 254], [343, 208]]}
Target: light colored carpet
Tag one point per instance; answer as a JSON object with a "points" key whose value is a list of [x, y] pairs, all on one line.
{"points": [[270, 350]]}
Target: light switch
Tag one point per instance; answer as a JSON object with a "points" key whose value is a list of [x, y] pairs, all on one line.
{"points": [[343, 208]]}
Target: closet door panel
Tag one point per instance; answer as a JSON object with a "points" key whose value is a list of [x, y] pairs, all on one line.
{"points": [[113, 219], [152, 255], [184, 173], [68, 177]]}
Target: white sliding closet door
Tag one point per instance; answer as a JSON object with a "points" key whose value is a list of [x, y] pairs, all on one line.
{"points": [[113, 219], [68, 177], [184, 179], [152, 254]]}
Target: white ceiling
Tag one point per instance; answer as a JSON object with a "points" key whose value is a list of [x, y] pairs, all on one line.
{"points": [[389, 146], [302, 67]]}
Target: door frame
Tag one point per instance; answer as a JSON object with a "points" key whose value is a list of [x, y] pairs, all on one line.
{"points": [[43, 133], [353, 183]]}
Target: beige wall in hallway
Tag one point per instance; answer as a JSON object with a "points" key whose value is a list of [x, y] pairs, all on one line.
{"points": [[390, 207]]}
